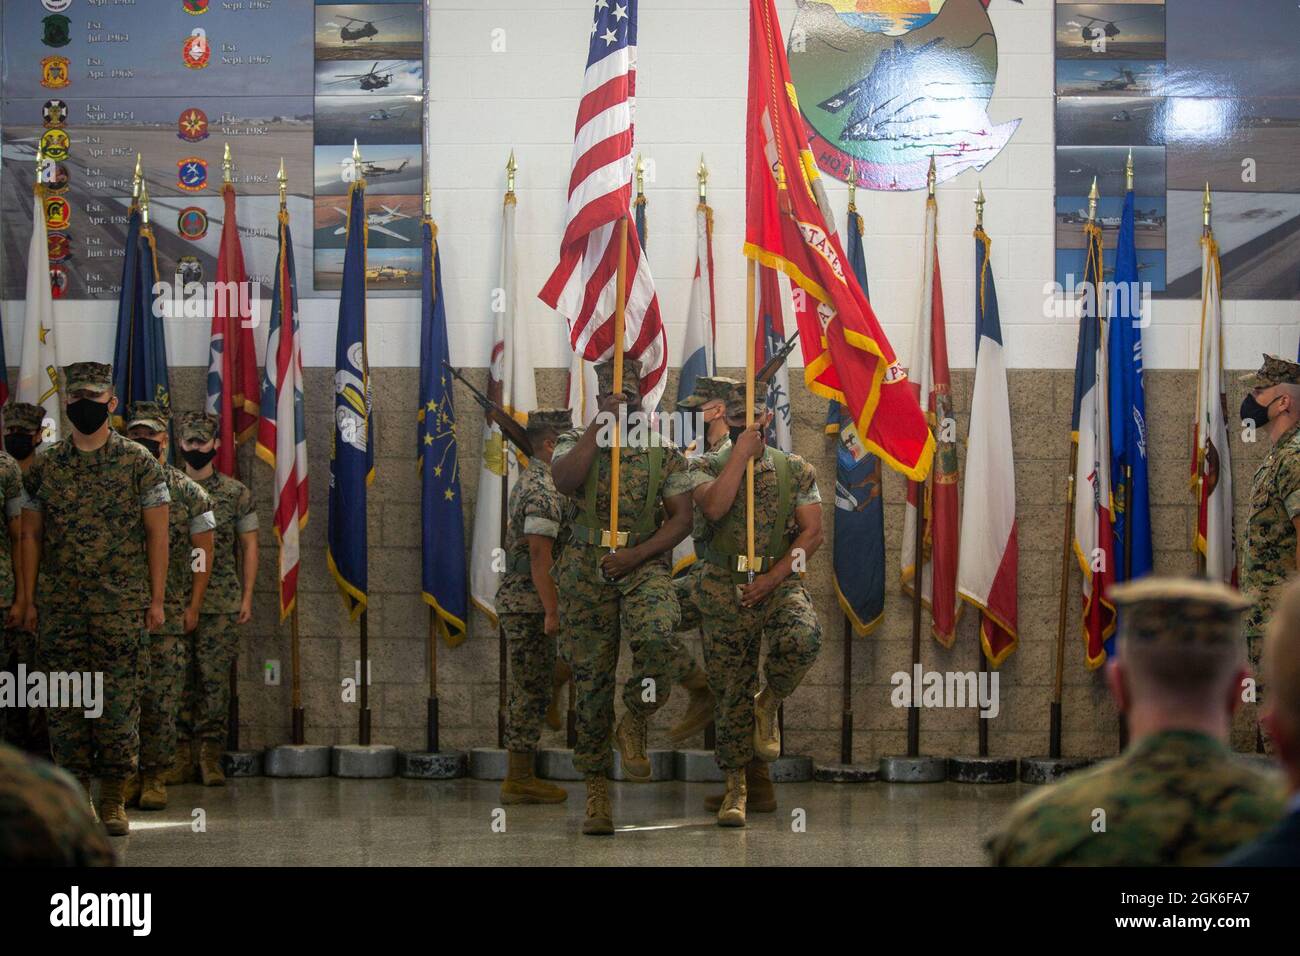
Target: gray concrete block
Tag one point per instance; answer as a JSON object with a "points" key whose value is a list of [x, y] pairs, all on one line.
{"points": [[1049, 769], [422, 765], [846, 772], [791, 768], [698, 766], [297, 760], [913, 769], [242, 763], [488, 763], [368, 761], [982, 769], [554, 763]]}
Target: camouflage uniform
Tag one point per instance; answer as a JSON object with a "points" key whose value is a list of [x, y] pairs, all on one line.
{"points": [[190, 514], [1175, 798], [732, 633], [24, 728], [11, 493], [1270, 549], [641, 605], [93, 584], [536, 508], [44, 817], [212, 645]]}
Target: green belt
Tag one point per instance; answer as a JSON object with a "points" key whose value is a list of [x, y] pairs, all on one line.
{"points": [[729, 527], [600, 536], [733, 563]]}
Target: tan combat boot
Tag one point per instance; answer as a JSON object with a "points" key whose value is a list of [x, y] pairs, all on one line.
{"points": [[600, 818], [153, 792], [210, 764], [131, 790], [522, 786], [554, 720], [85, 785], [111, 812], [732, 811], [767, 730], [760, 794], [175, 774], [630, 737], [699, 711]]}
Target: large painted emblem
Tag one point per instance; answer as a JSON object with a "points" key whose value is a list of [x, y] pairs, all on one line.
{"points": [[883, 85]]}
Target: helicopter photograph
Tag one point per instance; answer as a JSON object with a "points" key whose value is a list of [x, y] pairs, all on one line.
{"points": [[389, 170], [1110, 30], [358, 31], [1111, 78], [378, 119], [1110, 121], [368, 77]]}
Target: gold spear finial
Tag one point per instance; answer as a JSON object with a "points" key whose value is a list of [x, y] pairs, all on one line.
{"points": [[1093, 195], [640, 175], [227, 166], [40, 164], [428, 196], [138, 178], [853, 186], [1205, 208], [1128, 171], [702, 174], [979, 207], [283, 179], [931, 178], [144, 202], [511, 168]]}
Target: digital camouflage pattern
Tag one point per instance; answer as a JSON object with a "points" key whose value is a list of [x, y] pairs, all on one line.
{"points": [[532, 667], [535, 507], [732, 633], [114, 644], [45, 817], [160, 700], [93, 551], [24, 416], [11, 492], [1270, 551], [232, 506], [1176, 798], [22, 727], [641, 605], [190, 514], [210, 648]]}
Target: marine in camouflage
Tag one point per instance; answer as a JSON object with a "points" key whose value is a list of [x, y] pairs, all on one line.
{"points": [[45, 817]]}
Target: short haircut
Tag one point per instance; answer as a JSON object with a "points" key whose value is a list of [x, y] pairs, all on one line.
{"points": [[1188, 675]]}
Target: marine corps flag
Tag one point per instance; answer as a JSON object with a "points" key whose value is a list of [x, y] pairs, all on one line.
{"points": [[38, 373], [846, 354], [1212, 461], [930, 379], [442, 524], [352, 454], [232, 357], [140, 356]]}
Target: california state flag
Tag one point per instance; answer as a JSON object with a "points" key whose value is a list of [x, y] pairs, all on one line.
{"points": [[511, 383], [38, 375], [1212, 463]]}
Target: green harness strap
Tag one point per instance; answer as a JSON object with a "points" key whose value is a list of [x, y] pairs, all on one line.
{"points": [[729, 528], [587, 526]]}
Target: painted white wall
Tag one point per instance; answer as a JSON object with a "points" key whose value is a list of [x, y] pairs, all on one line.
{"points": [[691, 99]]}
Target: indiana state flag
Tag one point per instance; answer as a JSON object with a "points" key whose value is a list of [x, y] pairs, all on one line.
{"points": [[1128, 429], [352, 454], [140, 355], [442, 531]]}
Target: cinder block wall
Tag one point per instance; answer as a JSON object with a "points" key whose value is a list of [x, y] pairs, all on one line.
{"points": [[399, 620]]}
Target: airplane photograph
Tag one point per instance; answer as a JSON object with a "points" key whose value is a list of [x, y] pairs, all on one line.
{"points": [[387, 270], [390, 76], [391, 222], [352, 31], [377, 120]]}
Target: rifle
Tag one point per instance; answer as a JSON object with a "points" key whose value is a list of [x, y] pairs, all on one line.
{"points": [[494, 413], [769, 369]]}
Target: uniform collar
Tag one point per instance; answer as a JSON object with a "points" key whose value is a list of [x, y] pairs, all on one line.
{"points": [[1188, 742]]}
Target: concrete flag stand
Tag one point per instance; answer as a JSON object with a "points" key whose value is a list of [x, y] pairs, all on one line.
{"points": [[432, 763]]}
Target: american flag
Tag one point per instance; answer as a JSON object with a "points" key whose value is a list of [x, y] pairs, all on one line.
{"points": [[583, 286]]}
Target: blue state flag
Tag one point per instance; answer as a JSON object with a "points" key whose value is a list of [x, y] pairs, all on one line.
{"points": [[859, 549], [1128, 431], [352, 453], [445, 583], [140, 355]]}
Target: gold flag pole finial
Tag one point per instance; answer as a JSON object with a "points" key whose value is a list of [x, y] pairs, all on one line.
{"points": [[640, 175], [428, 197], [283, 179], [512, 167], [979, 207], [1206, 206], [356, 160], [227, 166], [138, 177], [931, 178], [1128, 171], [702, 174], [853, 186], [40, 164], [1093, 195], [144, 202]]}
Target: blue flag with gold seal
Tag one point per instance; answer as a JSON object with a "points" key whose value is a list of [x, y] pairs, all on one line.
{"points": [[445, 582], [352, 453], [140, 353]]}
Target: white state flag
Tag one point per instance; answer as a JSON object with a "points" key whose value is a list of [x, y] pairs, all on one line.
{"points": [[511, 382], [38, 375], [1215, 537]]}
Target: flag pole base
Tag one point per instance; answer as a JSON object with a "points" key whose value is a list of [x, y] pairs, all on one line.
{"points": [[1049, 769], [697, 766], [913, 769], [791, 768], [556, 763], [847, 772], [488, 763], [299, 725], [663, 766], [297, 760], [982, 769], [365, 761], [428, 765], [242, 763]]}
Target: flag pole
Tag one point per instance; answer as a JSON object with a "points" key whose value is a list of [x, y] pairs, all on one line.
{"points": [[620, 307], [981, 724], [431, 704], [502, 650], [1207, 234], [363, 678], [232, 711]]}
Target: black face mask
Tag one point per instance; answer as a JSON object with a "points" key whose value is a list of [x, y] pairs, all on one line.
{"points": [[1253, 411], [151, 444], [87, 416], [21, 444], [198, 460]]}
